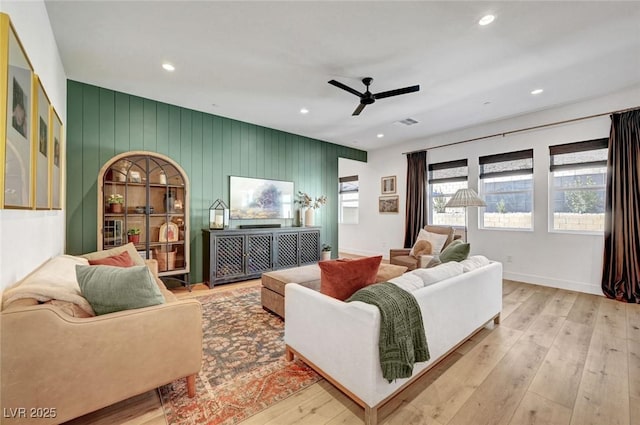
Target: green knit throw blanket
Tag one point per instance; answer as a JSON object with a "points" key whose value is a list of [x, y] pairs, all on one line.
{"points": [[402, 338]]}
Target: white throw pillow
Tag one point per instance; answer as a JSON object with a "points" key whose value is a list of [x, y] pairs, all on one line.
{"points": [[474, 262], [436, 240], [408, 281], [438, 273]]}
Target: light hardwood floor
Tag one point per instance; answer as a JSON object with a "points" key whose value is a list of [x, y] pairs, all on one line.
{"points": [[558, 357]]}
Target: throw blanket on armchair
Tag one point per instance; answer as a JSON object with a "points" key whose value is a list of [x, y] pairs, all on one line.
{"points": [[402, 337]]}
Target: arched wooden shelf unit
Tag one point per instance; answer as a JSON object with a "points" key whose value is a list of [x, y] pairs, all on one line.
{"points": [[154, 191]]}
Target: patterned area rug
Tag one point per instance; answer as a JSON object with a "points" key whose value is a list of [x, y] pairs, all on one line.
{"points": [[243, 369]]}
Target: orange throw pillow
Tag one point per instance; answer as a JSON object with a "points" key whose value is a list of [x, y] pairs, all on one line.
{"points": [[341, 278], [121, 260]]}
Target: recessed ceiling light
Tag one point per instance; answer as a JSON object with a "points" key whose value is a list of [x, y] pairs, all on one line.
{"points": [[304, 111], [168, 67], [486, 20], [537, 91], [380, 135]]}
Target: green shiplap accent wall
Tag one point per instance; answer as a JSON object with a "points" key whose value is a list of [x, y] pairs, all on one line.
{"points": [[102, 123]]}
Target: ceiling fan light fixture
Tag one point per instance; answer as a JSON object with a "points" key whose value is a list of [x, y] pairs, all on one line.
{"points": [[380, 135], [304, 111], [486, 20], [168, 67]]}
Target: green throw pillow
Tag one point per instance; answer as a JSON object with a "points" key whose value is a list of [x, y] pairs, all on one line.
{"points": [[455, 251], [109, 288]]}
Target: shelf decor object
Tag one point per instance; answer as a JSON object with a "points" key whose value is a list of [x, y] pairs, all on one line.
{"points": [[168, 232], [148, 204], [17, 123], [218, 215]]}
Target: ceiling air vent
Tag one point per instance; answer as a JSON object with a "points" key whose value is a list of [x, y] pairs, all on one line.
{"points": [[407, 121]]}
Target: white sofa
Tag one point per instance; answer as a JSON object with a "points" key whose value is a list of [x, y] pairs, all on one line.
{"points": [[340, 340]]}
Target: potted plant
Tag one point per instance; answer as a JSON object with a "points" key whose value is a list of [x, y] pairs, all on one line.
{"points": [[115, 201], [326, 252], [134, 235], [310, 204]]}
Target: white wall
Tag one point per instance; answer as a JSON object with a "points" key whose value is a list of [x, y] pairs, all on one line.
{"points": [[570, 261], [28, 238]]}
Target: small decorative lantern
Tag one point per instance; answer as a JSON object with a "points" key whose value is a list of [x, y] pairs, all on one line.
{"points": [[218, 215]]}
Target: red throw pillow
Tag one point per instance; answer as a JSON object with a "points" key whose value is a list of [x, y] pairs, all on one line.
{"points": [[341, 278], [121, 260]]}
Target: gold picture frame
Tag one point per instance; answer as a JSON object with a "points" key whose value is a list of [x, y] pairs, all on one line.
{"points": [[388, 204], [17, 123], [56, 144], [388, 185], [41, 161]]}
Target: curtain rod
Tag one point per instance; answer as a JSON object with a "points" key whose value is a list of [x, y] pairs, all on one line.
{"points": [[506, 133]]}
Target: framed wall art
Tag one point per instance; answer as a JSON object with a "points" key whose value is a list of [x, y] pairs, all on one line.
{"points": [[55, 158], [388, 185], [42, 162], [17, 110], [388, 204]]}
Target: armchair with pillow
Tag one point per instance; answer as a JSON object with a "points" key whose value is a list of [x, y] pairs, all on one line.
{"points": [[78, 347], [431, 241]]}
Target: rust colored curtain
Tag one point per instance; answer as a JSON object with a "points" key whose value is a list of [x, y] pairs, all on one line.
{"points": [[416, 211], [621, 265]]}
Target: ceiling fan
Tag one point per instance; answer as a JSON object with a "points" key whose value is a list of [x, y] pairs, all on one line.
{"points": [[367, 98]]}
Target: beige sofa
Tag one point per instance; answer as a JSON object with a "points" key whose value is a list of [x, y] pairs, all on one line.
{"points": [[60, 366]]}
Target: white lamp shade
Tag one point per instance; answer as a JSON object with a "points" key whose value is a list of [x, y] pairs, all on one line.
{"points": [[465, 198]]}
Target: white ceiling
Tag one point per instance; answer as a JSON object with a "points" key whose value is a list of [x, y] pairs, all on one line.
{"points": [[261, 62]]}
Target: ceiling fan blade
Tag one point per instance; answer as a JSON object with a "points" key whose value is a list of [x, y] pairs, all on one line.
{"points": [[396, 92], [358, 109], [344, 87]]}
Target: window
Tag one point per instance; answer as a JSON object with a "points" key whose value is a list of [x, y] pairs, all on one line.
{"points": [[445, 178], [348, 200], [506, 184], [578, 177]]}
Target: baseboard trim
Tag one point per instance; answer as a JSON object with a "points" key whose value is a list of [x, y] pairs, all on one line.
{"points": [[569, 285]]}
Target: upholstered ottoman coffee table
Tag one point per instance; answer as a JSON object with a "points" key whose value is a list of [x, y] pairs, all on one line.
{"points": [[273, 283]]}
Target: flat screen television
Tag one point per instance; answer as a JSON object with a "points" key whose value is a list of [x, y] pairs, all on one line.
{"points": [[253, 199]]}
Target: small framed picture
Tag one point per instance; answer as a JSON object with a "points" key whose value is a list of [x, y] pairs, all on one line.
{"points": [[55, 154], [42, 184], [388, 204], [388, 185]]}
